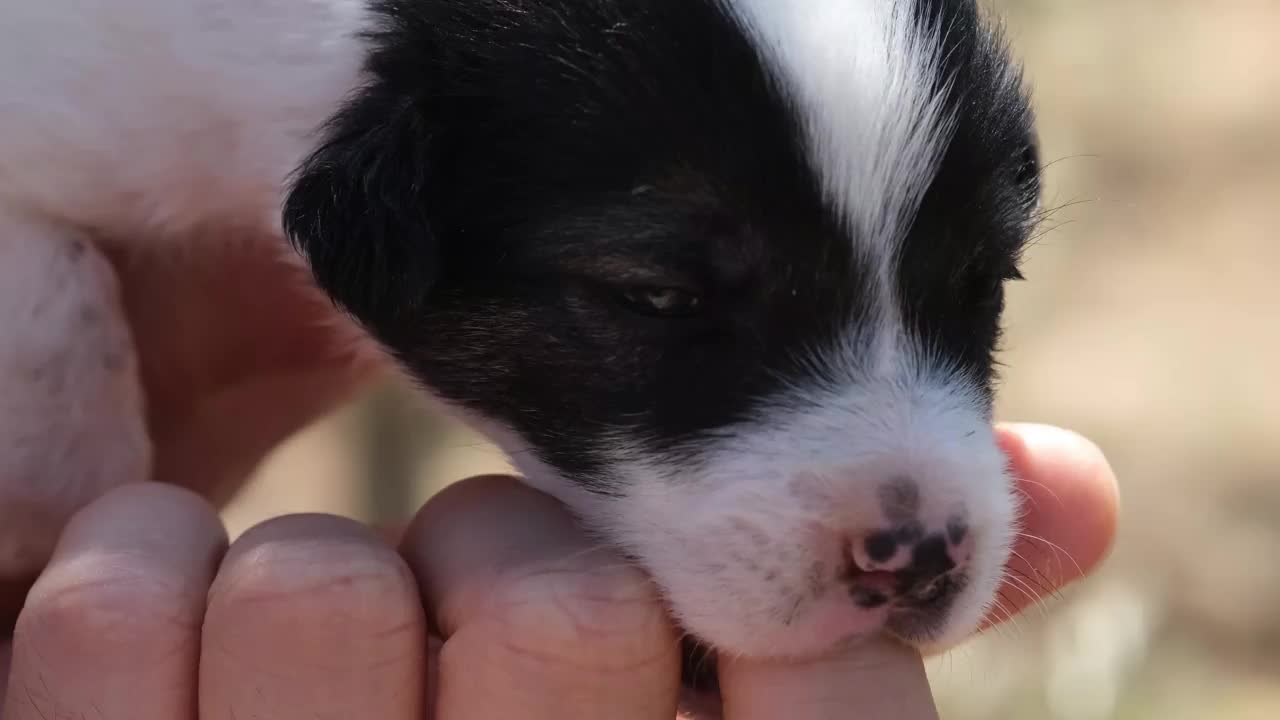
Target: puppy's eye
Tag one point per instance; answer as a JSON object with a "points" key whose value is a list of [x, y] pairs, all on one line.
{"points": [[662, 301]]}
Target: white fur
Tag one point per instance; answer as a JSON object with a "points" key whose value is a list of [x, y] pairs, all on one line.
{"points": [[71, 405], [143, 119], [861, 73], [749, 542]]}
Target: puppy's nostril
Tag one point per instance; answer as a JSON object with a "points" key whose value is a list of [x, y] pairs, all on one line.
{"points": [[931, 558], [880, 547]]}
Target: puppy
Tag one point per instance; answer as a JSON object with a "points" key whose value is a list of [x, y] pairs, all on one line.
{"points": [[725, 276]]}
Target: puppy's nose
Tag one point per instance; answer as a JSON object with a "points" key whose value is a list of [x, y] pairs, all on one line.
{"points": [[906, 566]]}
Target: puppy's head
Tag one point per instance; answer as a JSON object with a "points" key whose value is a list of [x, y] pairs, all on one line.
{"points": [[724, 275]]}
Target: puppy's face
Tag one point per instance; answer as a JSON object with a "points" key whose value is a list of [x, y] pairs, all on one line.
{"points": [[724, 276]]}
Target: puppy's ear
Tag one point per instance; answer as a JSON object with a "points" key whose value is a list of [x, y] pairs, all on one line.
{"points": [[358, 213]]}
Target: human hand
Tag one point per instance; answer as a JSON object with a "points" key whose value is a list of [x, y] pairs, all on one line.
{"points": [[145, 613], [237, 351]]}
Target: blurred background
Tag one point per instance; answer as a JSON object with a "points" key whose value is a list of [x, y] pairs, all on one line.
{"points": [[1150, 322]]}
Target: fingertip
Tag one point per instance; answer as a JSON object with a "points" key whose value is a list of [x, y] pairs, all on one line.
{"points": [[527, 602], [1070, 509], [148, 519], [488, 539], [878, 677], [295, 560], [127, 580], [1071, 494], [327, 605], [168, 511], [476, 529], [148, 528]]}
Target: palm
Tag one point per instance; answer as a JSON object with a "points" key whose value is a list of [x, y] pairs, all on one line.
{"points": [[237, 352]]}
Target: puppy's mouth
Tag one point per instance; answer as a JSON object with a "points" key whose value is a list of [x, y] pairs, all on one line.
{"points": [[915, 613]]}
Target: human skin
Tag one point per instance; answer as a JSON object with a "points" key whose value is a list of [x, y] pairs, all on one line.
{"points": [[146, 611]]}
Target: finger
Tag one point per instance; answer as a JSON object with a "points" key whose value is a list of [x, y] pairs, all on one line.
{"points": [[877, 679], [538, 620], [1070, 504], [116, 616], [323, 609]]}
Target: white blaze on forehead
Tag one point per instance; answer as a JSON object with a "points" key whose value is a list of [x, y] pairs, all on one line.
{"points": [[862, 74]]}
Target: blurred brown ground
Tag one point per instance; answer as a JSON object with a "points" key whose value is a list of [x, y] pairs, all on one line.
{"points": [[1150, 322]]}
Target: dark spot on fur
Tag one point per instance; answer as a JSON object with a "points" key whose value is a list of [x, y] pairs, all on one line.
{"points": [[29, 373], [909, 533], [114, 361], [90, 316], [899, 499], [817, 578]]}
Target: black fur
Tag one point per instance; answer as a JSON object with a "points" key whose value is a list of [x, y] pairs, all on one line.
{"points": [[977, 214], [514, 166]]}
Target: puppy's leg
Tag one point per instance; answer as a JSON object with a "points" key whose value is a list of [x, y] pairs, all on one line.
{"points": [[72, 422]]}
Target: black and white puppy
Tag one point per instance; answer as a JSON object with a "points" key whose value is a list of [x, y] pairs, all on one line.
{"points": [[725, 276]]}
